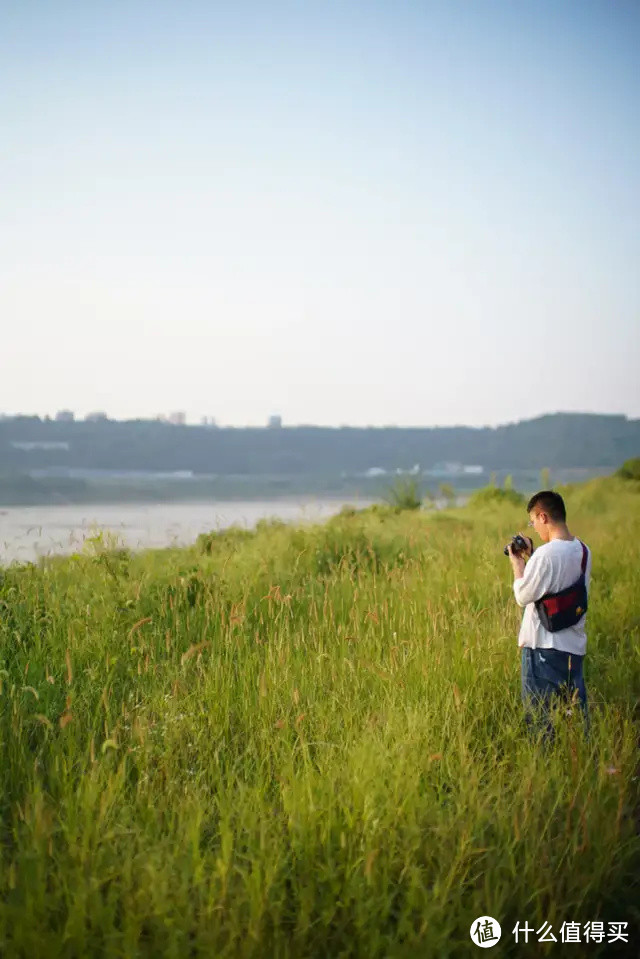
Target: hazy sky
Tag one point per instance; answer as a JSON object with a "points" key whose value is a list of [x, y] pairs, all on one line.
{"points": [[393, 212]]}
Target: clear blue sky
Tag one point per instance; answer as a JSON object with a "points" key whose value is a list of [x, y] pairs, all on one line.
{"points": [[411, 213]]}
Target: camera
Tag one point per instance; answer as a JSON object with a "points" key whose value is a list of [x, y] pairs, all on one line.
{"points": [[518, 543]]}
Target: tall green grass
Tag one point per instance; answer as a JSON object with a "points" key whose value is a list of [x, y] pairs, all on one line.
{"points": [[309, 742]]}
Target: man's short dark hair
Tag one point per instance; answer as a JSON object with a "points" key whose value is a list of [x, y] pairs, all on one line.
{"points": [[550, 503]]}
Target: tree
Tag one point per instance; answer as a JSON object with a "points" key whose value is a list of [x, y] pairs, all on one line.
{"points": [[447, 492], [405, 494], [630, 470]]}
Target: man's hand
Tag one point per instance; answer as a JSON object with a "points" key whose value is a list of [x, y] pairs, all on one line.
{"points": [[529, 550], [517, 563]]}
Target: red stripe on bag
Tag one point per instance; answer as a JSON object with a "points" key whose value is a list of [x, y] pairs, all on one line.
{"points": [[557, 604]]}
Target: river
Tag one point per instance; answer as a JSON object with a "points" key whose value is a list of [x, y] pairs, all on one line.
{"points": [[29, 532]]}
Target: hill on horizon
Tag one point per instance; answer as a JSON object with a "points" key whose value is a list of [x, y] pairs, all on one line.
{"points": [[570, 440]]}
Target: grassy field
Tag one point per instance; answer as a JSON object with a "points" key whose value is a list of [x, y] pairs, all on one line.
{"points": [[309, 742]]}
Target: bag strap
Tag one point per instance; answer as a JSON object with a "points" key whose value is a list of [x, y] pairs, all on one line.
{"points": [[585, 555]]}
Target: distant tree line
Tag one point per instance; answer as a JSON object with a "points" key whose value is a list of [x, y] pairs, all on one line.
{"points": [[570, 440]]}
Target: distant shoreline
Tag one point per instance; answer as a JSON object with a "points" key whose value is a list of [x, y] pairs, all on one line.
{"points": [[25, 489]]}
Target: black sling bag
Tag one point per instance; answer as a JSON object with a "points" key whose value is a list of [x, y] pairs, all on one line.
{"points": [[566, 608]]}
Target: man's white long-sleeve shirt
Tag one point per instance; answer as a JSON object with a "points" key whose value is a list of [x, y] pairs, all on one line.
{"points": [[554, 566]]}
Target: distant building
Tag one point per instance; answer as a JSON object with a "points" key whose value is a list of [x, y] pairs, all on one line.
{"points": [[209, 421], [444, 469], [274, 423], [65, 416], [96, 417], [178, 418], [475, 470]]}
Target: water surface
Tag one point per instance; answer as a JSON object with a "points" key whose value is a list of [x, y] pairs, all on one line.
{"points": [[28, 532]]}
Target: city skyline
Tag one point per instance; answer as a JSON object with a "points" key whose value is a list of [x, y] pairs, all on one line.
{"points": [[181, 418]]}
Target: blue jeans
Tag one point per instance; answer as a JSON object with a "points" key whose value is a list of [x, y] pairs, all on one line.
{"points": [[550, 676]]}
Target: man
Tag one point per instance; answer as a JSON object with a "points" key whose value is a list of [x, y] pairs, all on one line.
{"points": [[551, 662]]}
